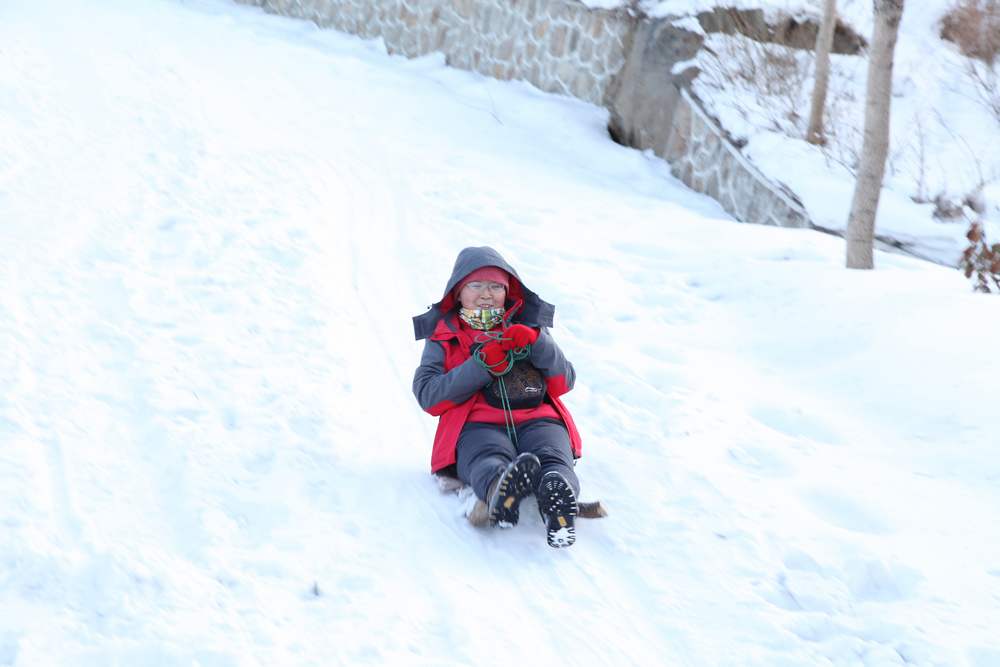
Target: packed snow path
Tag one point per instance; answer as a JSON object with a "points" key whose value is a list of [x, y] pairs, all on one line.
{"points": [[215, 225]]}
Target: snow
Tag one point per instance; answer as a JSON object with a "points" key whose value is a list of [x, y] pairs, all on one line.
{"points": [[215, 225]]}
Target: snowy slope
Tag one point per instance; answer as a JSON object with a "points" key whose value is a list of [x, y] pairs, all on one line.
{"points": [[215, 225]]}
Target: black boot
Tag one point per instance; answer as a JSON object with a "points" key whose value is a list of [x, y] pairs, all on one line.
{"points": [[516, 482], [557, 503]]}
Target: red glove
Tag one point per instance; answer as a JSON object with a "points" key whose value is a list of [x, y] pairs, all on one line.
{"points": [[518, 335], [495, 357]]}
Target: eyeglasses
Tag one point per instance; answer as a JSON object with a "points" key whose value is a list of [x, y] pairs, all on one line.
{"points": [[494, 288]]}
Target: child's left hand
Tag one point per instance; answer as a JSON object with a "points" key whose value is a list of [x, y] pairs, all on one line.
{"points": [[518, 335]]}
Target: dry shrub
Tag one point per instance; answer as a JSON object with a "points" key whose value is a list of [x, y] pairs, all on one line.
{"points": [[981, 260], [774, 75], [974, 26], [777, 70], [986, 80], [770, 86]]}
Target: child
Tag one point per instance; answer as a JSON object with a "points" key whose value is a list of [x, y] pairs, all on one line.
{"points": [[493, 375]]}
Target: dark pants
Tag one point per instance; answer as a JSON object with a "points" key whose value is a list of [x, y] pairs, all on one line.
{"points": [[484, 450]]}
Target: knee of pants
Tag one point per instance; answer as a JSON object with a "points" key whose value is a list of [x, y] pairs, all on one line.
{"points": [[472, 451], [555, 455], [480, 446]]}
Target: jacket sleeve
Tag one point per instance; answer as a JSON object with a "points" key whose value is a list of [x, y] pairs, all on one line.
{"points": [[437, 390], [549, 359]]}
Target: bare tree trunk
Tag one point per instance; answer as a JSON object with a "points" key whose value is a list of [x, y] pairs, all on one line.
{"points": [[878, 98], [824, 44]]}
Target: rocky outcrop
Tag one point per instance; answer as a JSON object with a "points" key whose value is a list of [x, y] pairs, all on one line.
{"points": [[796, 32], [645, 93]]}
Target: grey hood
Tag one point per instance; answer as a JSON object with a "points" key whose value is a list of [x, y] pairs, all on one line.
{"points": [[533, 311]]}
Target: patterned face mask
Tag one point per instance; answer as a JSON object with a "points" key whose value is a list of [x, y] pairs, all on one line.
{"points": [[481, 319]]}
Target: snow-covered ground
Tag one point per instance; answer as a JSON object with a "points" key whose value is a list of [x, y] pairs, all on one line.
{"points": [[215, 225]]}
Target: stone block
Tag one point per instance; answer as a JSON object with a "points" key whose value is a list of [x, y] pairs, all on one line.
{"points": [[407, 44], [614, 62], [752, 207], [682, 117], [725, 172], [506, 51], [392, 33], [676, 146], [697, 125], [498, 18], [557, 44], [463, 8], [697, 182], [582, 83], [597, 26], [541, 29], [517, 60], [729, 205], [511, 23], [535, 74], [597, 93], [737, 180], [711, 147], [694, 150], [566, 72], [712, 186]]}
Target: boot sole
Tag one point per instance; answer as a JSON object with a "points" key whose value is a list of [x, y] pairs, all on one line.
{"points": [[516, 483], [557, 504]]}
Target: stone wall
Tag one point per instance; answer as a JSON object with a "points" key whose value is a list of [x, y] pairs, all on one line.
{"points": [[701, 156], [635, 67], [558, 46]]}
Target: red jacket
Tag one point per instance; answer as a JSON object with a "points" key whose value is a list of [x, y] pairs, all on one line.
{"points": [[453, 414]]}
